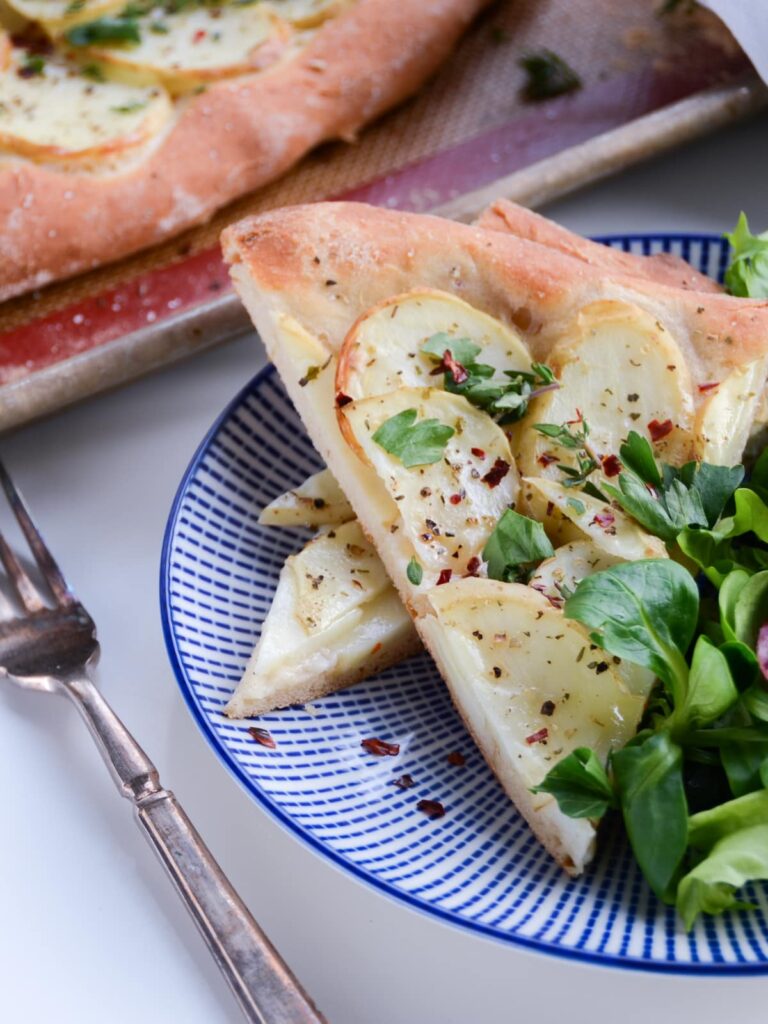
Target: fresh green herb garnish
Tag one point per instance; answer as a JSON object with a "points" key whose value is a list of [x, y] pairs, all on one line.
{"points": [[574, 437], [666, 500], [548, 75], [747, 273], [34, 65], [504, 397], [516, 545], [118, 30], [414, 572], [130, 108], [414, 443]]}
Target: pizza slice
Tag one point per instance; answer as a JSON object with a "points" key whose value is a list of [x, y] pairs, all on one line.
{"points": [[442, 467], [319, 501]]}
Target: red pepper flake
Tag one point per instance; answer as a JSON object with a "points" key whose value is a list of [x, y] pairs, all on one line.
{"points": [[658, 430], [537, 737], [495, 475], [445, 576], [380, 748], [611, 465], [263, 737], [478, 453], [550, 508], [404, 782], [455, 499], [342, 400], [454, 367], [709, 386], [199, 35], [604, 519], [432, 808], [457, 758], [473, 565], [762, 649], [376, 648], [545, 459]]}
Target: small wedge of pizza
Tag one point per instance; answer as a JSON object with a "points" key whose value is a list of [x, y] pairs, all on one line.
{"points": [[122, 124], [470, 390]]}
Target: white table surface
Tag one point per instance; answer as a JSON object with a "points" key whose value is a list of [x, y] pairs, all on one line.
{"points": [[90, 930]]}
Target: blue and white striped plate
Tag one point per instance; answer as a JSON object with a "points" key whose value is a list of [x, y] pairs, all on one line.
{"points": [[479, 866]]}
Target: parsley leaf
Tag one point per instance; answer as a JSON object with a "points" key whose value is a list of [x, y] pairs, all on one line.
{"points": [[413, 443], [516, 541], [747, 273], [121, 29], [666, 501], [505, 398]]}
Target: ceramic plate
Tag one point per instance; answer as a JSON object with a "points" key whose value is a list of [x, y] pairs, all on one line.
{"points": [[479, 866]]}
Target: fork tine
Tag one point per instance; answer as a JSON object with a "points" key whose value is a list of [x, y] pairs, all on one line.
{"points": [[22, 584], [45, 560]]}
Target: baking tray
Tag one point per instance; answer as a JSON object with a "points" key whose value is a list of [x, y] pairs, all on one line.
{"points": [[650, 82]]}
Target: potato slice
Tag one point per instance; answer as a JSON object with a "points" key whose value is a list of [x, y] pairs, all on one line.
{"points": [[531, 690], [449, 508], [610, 529], [193, 45], [335, 619], [382, 351], [319, 501], [558, 576], [58, 115], [56, 16], [622, 370], [336, 572], [724, 422]]}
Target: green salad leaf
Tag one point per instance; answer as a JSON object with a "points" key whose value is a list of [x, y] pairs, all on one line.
{"points": [[711, 886], [747, 273], [580, 784], [649, 777], [644, 611]]}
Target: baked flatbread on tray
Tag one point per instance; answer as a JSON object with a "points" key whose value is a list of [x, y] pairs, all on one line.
{"points": [[123, 124], [358, 307]]}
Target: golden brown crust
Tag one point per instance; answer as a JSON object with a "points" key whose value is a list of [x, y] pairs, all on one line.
{"points": [[329, 262], [506, 216], [234, 137]]}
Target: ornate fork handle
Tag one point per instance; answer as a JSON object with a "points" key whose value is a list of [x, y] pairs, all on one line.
{"points": [[265, 988]]}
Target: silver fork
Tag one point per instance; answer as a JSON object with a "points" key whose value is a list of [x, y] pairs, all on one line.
{"points": [[51, 647]]}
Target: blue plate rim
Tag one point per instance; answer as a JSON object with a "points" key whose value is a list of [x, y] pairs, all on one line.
{"points": [[336, 859]]}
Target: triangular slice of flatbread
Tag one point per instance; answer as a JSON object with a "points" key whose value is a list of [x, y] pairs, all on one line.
{"points": [[306, 274]]}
